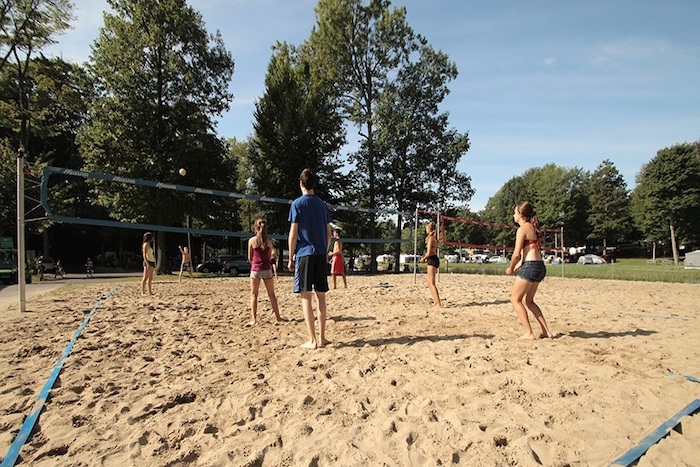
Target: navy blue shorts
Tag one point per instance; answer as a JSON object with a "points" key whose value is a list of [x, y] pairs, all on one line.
{"points": [[532, 271], [433, 261], [311, 273]]}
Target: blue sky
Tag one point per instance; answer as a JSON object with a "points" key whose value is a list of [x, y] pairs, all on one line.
{"points": [[570, 83]]}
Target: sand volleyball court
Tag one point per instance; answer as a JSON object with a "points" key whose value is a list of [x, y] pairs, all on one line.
{"points": [[176, 379]]}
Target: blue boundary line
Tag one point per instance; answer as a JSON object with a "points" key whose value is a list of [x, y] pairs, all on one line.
{"points": [[688, 377], [655, 436], [30, 421]]}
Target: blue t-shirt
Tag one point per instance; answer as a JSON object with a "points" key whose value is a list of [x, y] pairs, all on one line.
{"points": [[313, 216]]}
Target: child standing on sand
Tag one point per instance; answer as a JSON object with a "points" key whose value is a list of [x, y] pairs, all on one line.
{"points": [[259, 252], [337, 261]]}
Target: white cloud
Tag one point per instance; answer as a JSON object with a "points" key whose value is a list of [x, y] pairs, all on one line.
{"points": [[633, 49]]}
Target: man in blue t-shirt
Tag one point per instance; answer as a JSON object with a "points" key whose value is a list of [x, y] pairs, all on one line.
{"points": [[309, 241]]}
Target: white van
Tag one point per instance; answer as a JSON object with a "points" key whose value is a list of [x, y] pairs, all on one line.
{"points": [[409, 259]]}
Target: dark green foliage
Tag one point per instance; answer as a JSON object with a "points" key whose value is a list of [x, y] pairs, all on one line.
{"points": [[160, 81], [56, 92], [297, 126], [609, 214], [668, 194], [559, 196]]}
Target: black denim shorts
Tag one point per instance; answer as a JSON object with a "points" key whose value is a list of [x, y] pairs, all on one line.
{"points": [[532, 271]]}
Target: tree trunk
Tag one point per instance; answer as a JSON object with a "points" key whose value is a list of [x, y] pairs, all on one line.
{"points": [[673, 243]]}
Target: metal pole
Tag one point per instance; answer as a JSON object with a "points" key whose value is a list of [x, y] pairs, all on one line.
{"points": [[562, 252], [21, 248], [189, 243], [415, 248], [437, 235]]}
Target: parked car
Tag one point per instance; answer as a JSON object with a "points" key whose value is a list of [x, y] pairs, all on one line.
{"points": [[498, 259], [409, 259], [453, 258], [212, 265], [9, 269], [49, 264], [609, 257], [480, 259], [215, 264], [590, 259], [237, 264]]}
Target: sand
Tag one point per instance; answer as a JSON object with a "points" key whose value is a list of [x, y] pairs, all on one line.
{"points": [[176, 379]]}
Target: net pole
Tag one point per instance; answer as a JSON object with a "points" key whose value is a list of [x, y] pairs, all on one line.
{"points": [[437, 235], [21, 246], [189, 243], [562, 251], [415, 248]]}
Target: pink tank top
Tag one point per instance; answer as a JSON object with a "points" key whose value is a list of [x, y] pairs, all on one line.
{"points": [[261, 259]]}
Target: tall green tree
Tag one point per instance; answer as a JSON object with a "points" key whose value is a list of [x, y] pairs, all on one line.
{"points": [[356, 47], [609, 215], [667, 196], [297, 125], [558, 194], [160, 80], [418, 167], [57, 93], [26, 28]]}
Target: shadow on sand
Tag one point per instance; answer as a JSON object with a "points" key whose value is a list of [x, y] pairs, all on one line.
{"points": [[607, 335], [410, 340]]}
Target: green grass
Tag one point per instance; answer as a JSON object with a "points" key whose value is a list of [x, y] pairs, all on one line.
{"points": [[634, 269]]}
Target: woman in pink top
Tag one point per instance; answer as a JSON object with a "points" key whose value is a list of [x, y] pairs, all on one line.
{"points": [[259, 251]]}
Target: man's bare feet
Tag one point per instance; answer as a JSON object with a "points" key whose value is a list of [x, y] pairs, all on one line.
{"points": [[527, 337], [308, 345], [324, 343], [548, 335], [250, 324]]}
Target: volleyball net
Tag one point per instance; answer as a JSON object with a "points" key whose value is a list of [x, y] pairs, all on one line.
{"points": [[477, 235], [150, 184]]}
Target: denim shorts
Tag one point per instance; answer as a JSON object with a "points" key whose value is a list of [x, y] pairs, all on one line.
{"points": [[532, 271]]}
